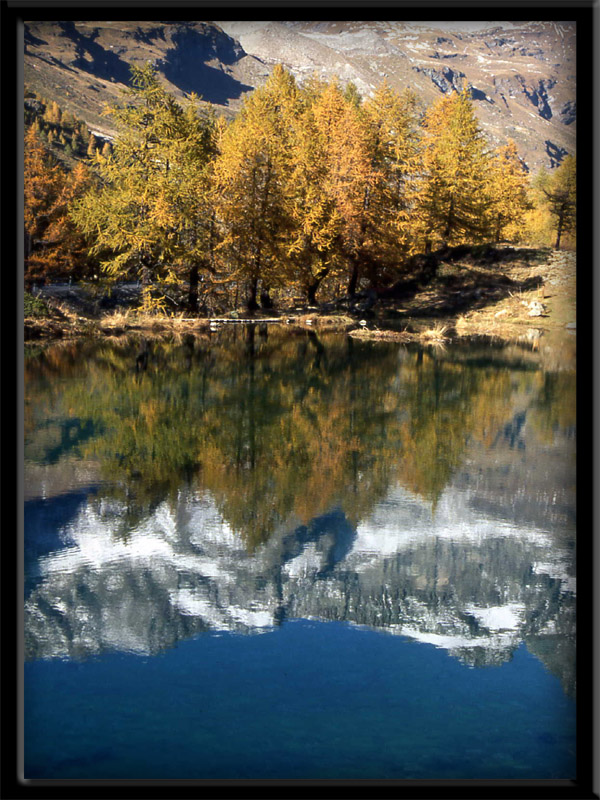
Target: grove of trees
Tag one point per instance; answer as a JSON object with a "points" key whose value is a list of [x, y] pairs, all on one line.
{"points": [[309, 191]]}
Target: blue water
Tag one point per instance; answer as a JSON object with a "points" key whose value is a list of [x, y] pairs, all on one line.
{"points": [[309, 700], [208, 512]]}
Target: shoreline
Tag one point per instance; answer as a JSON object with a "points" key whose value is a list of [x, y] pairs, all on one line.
{"points": [[529, 298]]}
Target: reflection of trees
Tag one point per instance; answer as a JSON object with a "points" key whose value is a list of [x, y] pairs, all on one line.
{"points": [[279, 427]]}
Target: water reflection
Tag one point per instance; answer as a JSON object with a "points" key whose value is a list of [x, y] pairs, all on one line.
{"points": [[247, 479]]}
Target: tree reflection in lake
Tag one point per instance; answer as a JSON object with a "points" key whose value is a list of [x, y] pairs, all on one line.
{"points": [[255, 476]]}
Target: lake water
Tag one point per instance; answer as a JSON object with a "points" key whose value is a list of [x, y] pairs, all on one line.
{"points": [[264, 555]]}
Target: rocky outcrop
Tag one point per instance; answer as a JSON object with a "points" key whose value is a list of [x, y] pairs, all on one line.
{"points": [[446, 79]]}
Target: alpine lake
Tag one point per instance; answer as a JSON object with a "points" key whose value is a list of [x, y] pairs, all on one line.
{"points": [[263, 555]]}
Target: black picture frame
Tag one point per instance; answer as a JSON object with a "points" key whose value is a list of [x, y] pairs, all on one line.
{"points": [[585, 14]]}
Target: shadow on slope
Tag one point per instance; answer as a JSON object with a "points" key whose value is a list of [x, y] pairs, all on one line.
{"points": [[92, 58], [187, 64]]}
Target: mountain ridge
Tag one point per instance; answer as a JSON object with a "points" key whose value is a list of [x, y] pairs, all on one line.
{"points": [[521, 75]]}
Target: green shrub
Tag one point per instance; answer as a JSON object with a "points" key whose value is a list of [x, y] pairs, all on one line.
{"points": [[34, 307]]}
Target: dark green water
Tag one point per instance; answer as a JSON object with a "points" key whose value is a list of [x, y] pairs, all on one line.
{"points": [[271, 556]]}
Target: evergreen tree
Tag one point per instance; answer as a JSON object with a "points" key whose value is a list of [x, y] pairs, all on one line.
{"points": [[84, 132], [76, 142], [352, 95]]}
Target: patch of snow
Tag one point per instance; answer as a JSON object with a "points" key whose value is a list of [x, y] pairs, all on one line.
{"points": [[499, 618], [450, 642], [252, 618], [307, 562], [189, 603]]}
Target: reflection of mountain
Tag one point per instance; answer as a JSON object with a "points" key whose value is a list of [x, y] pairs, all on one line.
{"points": [[473, 585]]}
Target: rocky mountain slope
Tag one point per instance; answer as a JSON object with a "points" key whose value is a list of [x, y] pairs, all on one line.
{"points": [[522, 75], [84, 66]]}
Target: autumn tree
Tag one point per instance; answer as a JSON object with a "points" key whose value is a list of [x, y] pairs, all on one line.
{"points": [[149, 213], [92, 146], [394, 143], [454, 196], [53, 246], [508, 189], [43, 182], [557, 192], [316, 224], [250, 180], [53, 113], [349, 175]]}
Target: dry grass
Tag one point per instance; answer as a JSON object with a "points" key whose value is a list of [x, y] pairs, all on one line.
{"points": [[509, 318], [436, 334], [117, 319]]}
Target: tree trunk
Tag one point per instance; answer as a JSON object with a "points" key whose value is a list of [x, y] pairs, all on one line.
{"points": [[311, 292], [251, 340], [559, 231], [145, 272], [193, 294], [313, 287], [251, 304], [449, 221], [353, 280], [265, 298]]}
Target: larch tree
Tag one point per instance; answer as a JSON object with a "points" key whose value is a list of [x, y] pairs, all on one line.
{"points": [[509, 186], [349, 175], [454, 195], [92, 146], [43, 182], [250, 180], [558, 193], [394, 141], [54, 249], [148, 215], [316, 222]]}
